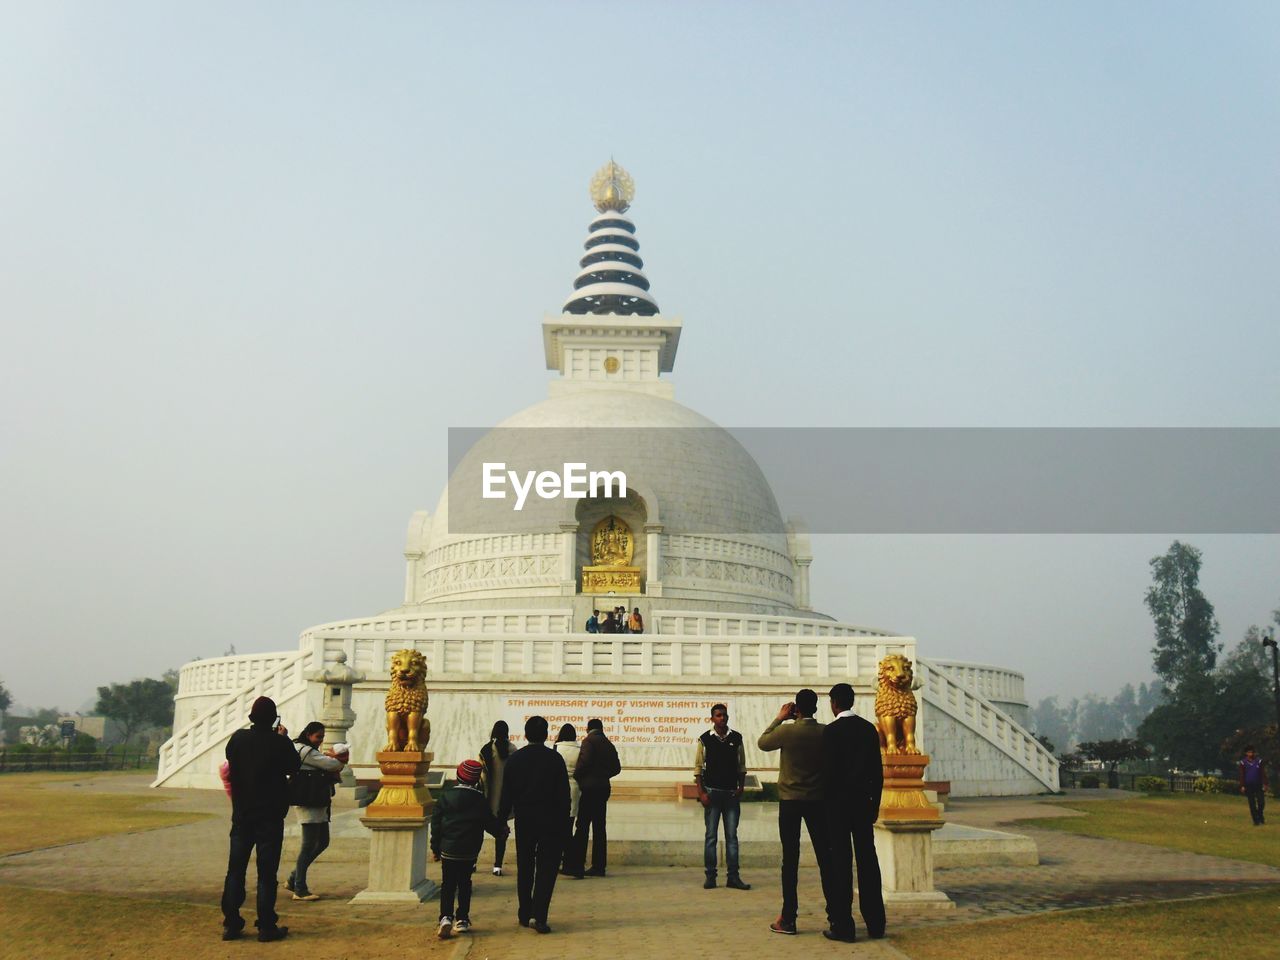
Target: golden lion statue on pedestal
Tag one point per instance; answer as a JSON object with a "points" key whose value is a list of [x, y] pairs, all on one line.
{"points": [[896, 706], [407, 725]]}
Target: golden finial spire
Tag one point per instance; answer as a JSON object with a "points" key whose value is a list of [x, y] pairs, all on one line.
{"points": [[612, 188]]}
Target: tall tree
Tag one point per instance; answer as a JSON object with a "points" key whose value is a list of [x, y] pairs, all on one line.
{"points": [[6, 699], [1187, 728], [1186, 630], [137, 705]]}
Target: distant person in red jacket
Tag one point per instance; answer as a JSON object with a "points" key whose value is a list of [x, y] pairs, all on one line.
{"points": [[1253, 784]]}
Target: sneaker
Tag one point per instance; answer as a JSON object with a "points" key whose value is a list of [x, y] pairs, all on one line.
{"points": [[783, 926], [735, 883], [271, 934], [541, 926], [446, 928], [497, 871], [840, 937], [232, 933], [462, 926], [709, 883], [305, 895]]}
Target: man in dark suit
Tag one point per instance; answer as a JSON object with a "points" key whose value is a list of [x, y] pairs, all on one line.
{"points": [[597, 764], [535, 785], [261, 759], [853, 778]]}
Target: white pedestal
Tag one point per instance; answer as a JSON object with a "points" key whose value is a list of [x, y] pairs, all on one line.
{"points": [[397, 861], [905, 851]]}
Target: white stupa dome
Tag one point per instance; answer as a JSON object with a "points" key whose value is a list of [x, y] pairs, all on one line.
{"points": [[725, 539]]}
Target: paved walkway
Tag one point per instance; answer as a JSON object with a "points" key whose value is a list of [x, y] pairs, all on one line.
{"points": [[639, 911]]}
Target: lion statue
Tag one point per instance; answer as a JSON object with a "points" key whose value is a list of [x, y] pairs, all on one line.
{"points": [[896, 705], [407, 725]]}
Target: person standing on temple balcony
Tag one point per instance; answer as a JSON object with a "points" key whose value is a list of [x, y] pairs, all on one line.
{"points": [[636, 623], [607, 625], [799, 794], [720, 771], [593, 622], [597, 764]]}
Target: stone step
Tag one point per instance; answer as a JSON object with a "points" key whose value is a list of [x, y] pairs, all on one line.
{"points": [[643, 790]]}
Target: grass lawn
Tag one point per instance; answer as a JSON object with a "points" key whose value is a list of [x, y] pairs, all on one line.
{"points": [[1215, 824], [36, 817], [1241, 927], [55, 925]]}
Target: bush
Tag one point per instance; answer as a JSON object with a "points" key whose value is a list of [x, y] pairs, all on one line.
{"points": [[1151, 784], [1090, 781], [1210, 785]]}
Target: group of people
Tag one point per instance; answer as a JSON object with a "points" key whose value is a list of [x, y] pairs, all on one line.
{"points": [[830, 780], [616, 620], [559, 799]]}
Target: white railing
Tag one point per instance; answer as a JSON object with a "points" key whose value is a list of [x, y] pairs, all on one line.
{"points": [[213, 726], [498, 658], [744, 625], [458, 621], [988, 721], [994, 683], [225, 674]]}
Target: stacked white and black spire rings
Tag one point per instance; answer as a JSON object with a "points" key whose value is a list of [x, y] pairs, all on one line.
{"points": [[611, 279]]}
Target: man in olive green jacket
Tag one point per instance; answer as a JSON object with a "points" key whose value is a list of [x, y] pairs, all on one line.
{"points": [[799, 736]]}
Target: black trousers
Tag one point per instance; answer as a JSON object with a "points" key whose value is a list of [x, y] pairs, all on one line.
{"points": [[267, 835], [593, 806], [791, 813], [1257, 803], [455, 880], [499, 850], [842, 854], [538, 850]]}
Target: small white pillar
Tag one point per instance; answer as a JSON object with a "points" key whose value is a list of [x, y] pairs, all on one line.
{"points": [[568, 553], [653, 554], [802, 582], [411, 561]]}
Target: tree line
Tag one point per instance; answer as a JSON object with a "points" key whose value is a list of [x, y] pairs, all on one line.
{"points": [[134, 708], [1204, 708]]}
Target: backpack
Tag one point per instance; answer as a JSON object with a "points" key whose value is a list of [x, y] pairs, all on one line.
{"points": [[309, 787]]}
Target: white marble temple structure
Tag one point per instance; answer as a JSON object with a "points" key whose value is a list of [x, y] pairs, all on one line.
{"points": [[500, 616]]}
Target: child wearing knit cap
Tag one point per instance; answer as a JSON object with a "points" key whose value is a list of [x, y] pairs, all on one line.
{"points": [[459, 821]]}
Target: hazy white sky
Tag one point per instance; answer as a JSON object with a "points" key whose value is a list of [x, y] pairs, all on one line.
{"points": [[255, 259]]}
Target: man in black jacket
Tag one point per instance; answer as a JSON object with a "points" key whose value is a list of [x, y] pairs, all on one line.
{"points": [[261, 760], [597, 764], [853, 778], [536, 786]]}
